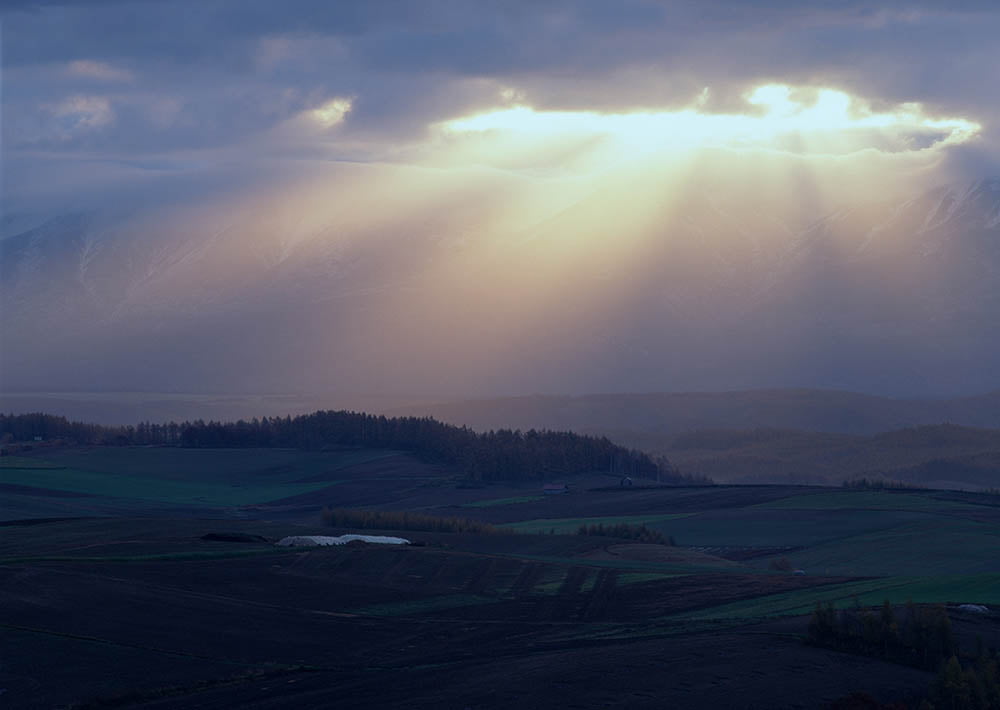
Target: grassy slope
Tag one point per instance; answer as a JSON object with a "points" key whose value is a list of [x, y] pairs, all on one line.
{"points": [[185, 476], [914, 544], [866, 500], [978, 589]]}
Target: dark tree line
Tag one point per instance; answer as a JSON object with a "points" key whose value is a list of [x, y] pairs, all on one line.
{"points": [[26, 427], [878, 484], [491, 456], [404, 520], [627, 531], [916, 636], [974, 687], [919, 636]]}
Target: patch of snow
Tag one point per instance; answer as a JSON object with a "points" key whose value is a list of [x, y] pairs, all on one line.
{"points": [[325, 540], [995, 220], [868, 239], [946, 196], [974, 608]]}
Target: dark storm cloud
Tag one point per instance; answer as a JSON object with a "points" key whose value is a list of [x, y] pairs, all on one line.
{"points": [[210, 73]]}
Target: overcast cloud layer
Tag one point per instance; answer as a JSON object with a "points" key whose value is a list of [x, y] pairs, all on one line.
{"points": [[169, 85]]}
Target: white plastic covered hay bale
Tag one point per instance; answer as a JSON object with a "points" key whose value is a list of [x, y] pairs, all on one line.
{"points": [[974, 608], [324, 540]]}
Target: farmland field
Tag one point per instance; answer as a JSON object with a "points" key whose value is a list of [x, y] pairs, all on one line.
{"points": [[126, 581], [136, 480], [865, 500]]}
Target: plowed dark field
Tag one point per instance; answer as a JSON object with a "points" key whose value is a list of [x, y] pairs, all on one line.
{"points": [[368, 626]]}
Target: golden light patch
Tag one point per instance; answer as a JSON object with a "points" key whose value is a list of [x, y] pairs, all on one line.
{"points": [[332, 112], [821, 121]]}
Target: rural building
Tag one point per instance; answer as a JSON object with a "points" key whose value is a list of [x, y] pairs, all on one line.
{"points": [[551, 489]]}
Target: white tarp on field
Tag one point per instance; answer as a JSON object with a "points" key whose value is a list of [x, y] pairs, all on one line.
{"points": [[314, 540]]}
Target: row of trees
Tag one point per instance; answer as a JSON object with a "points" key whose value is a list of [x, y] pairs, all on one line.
{"points": [[639, 533], [915, 636], [975, 687], [26, 427], [491, 456], [878, 484], [402, 520]]}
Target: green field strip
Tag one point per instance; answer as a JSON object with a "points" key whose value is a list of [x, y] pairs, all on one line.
{"points": [[933, 546], [504, 582], [972, 589], [26, 463], [565, 526], [866, 500], [667, 568], [603, 632], [950, 589], [791, 603], [552, 579], [547, 588], [155, 489], [220, 465], [490, 503], [423, 606], [761, 527], [555, 577], [640, 577], [191, 556]]}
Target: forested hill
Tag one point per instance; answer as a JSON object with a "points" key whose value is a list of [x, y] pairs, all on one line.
{"points": [[491, 456]]}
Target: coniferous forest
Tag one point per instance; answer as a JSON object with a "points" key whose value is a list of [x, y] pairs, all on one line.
{"points": [[500, 455]]}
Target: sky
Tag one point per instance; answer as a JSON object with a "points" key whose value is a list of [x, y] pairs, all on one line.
{"points": [[98, 90], [629, 187]]}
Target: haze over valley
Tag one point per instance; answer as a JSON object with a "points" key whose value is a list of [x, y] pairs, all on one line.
{"points": [[443, 294]]}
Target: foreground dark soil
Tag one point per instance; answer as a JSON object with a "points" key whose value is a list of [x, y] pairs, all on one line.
{"points": [[753, 668], [142, 613]]}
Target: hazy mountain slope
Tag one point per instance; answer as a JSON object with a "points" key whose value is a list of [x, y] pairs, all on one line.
{"points": [[671, 414], [377, 280], [943, 456], [778, 436]]}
